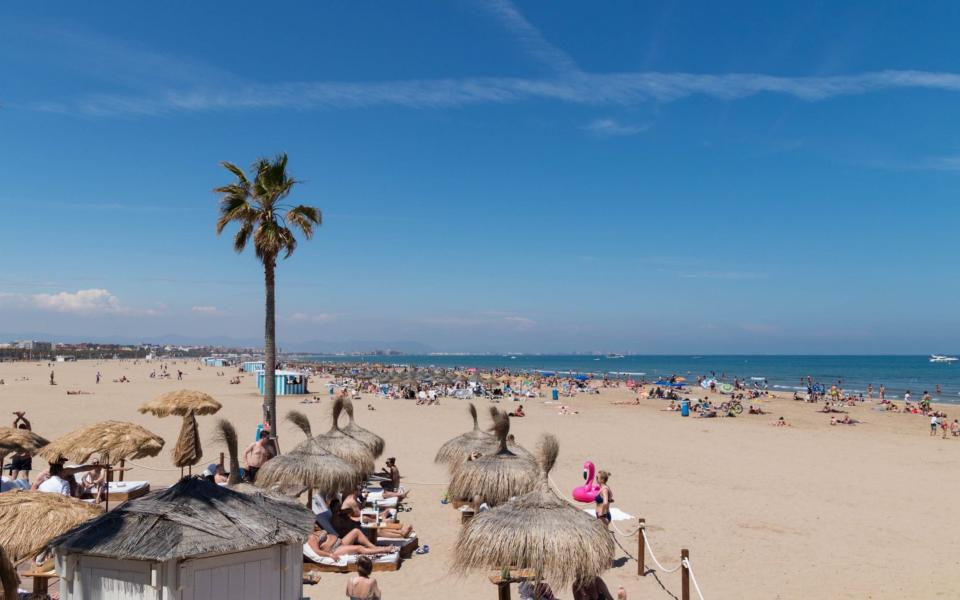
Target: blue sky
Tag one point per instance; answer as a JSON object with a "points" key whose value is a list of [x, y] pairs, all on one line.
{"points": [[531, 176]]}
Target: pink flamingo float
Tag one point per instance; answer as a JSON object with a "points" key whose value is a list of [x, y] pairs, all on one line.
{"points": [[589, 490]]}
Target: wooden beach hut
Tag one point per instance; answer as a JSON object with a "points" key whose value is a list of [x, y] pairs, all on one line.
{"points": [[216, 361], [288, 382], [193, 541], [252, 366]]}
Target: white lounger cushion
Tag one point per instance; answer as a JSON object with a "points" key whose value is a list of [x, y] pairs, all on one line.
{"points": [[347, 559]]}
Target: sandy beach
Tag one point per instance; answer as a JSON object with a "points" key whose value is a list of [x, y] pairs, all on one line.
{"points": [[806, 511]]}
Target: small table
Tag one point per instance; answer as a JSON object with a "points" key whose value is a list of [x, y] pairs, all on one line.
{"points": [[41, 582], [516, 576]]}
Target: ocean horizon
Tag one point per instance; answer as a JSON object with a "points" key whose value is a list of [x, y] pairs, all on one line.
{"points": [[854, 373]]}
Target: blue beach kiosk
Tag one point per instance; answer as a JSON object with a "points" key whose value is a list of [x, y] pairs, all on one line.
{"points": [[288, 382], [252, 366], [212, 361]]}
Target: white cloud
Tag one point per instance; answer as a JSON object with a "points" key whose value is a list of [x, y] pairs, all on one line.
{"points": [[531, 37], [612, 127], [730, 275], [82, 302], [521, 323], [206, 310]]}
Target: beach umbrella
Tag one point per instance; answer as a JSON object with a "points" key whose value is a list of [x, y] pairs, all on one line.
{"points": [[226, 434], [9, 581], [495, 477], [16, 440], [187, 451], [345, 446], [540, 531], [493, 445], [29, 520], [186, 404], [372, 441], [309, 466], [454, 452], [112, 441], [181, 403]]}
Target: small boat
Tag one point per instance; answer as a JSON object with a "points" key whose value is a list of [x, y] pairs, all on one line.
{"points": [[614, 356], [940, 358]]}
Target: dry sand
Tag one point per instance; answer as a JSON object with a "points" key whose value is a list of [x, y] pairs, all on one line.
{"points": [[809, 511]]}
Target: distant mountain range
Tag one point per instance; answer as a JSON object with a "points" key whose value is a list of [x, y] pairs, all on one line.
{"points": [[309, 346]]}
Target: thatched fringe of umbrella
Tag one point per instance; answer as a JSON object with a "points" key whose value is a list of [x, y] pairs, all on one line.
{"points": [[310, 465], [14, 439], [187, 451], [372, 441], [497, 477], [455, 452], [9, 581], [339, 443], [226, 434], [29, 520], [539, 531], [181, 403], [301, 421], [109, 440]]}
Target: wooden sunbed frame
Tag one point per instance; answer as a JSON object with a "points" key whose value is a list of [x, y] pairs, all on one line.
{"points": [[311, 567]]}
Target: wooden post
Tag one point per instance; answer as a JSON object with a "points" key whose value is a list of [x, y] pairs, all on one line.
{"points": [[684, 576], [123, 463], [221, 459], [310, 498], [641, 549], [503, 590], [106, 495]]}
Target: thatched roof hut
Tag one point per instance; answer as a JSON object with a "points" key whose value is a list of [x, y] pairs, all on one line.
{"points": [[454, 452], [341, 444], [496, 477], [109, 440], [186, 540], [13, 439], [372, 441], [181, 403], [28, 520], [539, 531]]}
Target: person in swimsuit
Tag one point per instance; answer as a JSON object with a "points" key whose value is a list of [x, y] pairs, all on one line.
{"points": [[331, 546], [604, 497], [363, 587]]}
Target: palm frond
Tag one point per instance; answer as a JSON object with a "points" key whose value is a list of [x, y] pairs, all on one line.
{"points": [[241, 177], [304, 218]]}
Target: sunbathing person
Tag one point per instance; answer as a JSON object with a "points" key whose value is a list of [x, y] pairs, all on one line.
{"points": [[332, 546], [518, 413], [94, 482], [756, 410]]}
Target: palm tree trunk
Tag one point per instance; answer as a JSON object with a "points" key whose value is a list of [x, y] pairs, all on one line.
{"points": [[270, 348]]}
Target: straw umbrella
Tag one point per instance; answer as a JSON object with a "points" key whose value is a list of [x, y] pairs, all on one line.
{"points": [[372, 441], [309, 465], [455, 451], [343, 445], [539, 531], [497, 477], [9, 581], [13, 439], [186, 404], [112, 441], [28, 520], [226, 434]]}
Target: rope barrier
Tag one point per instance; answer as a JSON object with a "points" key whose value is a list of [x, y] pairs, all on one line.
{"points": [[130, 462], [696, 586], [654, 556]]}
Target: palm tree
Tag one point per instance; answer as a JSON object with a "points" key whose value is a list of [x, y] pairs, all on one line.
{"points": [[256, 206]]}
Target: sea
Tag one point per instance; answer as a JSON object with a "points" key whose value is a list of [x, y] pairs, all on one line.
{"points": [[898, 374]]}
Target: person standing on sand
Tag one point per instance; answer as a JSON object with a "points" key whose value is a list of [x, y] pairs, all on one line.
{"points": [[98, 376], [934, 421], [870, 391], [257, 454], [882, 392]]}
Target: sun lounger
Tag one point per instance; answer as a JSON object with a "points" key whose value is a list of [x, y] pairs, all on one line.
{"points": [[346, 564], [405, 546], [121, 491]]}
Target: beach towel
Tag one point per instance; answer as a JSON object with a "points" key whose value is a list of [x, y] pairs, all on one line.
{"points": [[615, 514]]}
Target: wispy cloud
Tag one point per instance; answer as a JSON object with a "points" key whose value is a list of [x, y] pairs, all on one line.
{"points": [[532, 39], [302, 317], [88, 302], [612, 127], [206, 310], [730, 275]]}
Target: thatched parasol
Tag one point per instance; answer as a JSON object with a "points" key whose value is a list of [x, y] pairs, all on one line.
{"points": [[226, 434], [341, 444], [540, 531], [309, 466], [454, 452], [495, 477], [109, 440], [28, 520], [186, 404], [181, 403], [188, 452], [9, 581], [512, 445], [372, 441], [14, 439]]}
